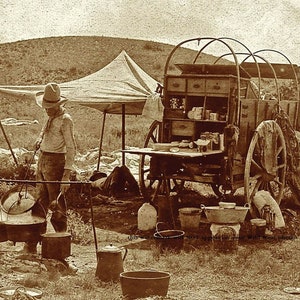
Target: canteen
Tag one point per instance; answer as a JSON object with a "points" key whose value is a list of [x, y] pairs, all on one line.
{"points": [[110, 262]]}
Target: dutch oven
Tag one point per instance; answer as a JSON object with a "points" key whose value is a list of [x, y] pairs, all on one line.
{"points": [[25, 228], [18, 199], [20, 225]]}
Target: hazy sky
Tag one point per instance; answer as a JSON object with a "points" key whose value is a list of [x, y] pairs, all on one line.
{"points": [[256, 23]]}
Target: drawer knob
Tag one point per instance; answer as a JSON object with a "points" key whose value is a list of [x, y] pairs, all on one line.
{"points": [[175, 84], [244, 106], [196, 86], [216, 87]]}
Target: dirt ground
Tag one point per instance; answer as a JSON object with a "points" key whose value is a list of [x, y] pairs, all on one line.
{"points": [[116, 223]]}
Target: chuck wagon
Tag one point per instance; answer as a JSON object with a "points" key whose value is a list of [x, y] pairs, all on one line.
{"points": [[230, 123]]}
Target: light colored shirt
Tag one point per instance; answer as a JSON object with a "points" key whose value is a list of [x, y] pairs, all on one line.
{"points": [[58, 137]]}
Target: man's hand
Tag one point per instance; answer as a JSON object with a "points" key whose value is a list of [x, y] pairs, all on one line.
{"points": [[66, 177]]}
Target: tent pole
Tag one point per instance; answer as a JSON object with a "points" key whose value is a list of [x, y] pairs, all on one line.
{"points": [[123, 134], [8, 143], [101, 140]]}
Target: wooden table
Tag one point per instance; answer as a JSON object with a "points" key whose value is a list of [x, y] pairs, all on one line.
{"points": [[165, 177], [183, 152]]}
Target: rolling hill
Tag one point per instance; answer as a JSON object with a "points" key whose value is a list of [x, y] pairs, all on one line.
{"points": [[61, 59]]}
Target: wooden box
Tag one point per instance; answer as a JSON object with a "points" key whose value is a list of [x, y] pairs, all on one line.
{"points": [[174, 113]]}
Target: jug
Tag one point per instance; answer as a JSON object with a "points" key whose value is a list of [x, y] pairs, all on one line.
{"points": [[110, 262], [147, 217]]}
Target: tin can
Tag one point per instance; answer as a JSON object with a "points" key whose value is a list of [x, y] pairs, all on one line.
{"points": [[213, 116]]}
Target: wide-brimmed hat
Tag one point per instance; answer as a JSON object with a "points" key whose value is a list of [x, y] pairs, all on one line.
{"points": [[50, 97]]}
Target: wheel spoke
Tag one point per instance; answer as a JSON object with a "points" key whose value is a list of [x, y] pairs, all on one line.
{"points": [[280, 184], [146, 183], [257, 185], [265, 167], [280, 166], [255, 164], [272, 191], [279, 150]]}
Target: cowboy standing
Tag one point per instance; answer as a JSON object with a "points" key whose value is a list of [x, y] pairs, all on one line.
{"points": [[57, 153]]}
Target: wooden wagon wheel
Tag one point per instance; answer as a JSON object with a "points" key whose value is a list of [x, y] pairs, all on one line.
{"points": [[265, 166], [145, 182], [153, 136]]}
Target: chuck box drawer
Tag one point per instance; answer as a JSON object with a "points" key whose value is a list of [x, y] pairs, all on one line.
{"points": [[175, 84], [182, 128]]}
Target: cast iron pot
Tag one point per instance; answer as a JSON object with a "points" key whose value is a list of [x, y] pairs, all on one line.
{"points": [[26, 229], [56, 245]]}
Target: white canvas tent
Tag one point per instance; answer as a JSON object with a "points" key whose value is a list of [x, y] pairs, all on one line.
{"points": [[121, 87]]}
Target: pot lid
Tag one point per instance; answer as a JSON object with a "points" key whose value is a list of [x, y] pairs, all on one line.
{"points": [[16, 202], [110, 248]]}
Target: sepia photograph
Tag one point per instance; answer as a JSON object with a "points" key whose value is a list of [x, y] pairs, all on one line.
{"points": [[149, 149]]}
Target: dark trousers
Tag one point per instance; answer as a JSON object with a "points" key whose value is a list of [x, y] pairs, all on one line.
{"points": [[51, 168]]}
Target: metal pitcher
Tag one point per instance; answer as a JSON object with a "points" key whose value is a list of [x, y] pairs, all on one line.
{"points": [[110, 262]]}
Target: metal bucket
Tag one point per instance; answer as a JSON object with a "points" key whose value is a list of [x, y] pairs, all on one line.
{"points": [[56, 245], [258, 228], [141, 284], [169, 240], [190, 217]]}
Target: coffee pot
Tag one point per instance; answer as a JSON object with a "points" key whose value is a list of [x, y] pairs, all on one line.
{"points": [[110, 262]]}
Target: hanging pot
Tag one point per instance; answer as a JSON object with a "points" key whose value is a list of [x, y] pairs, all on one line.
{"points": [[25, 228], [18, 199], [110, 262], [56, 245]]}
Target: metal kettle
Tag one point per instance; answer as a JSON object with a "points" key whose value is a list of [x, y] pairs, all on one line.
{"points": [[110, 262]]}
